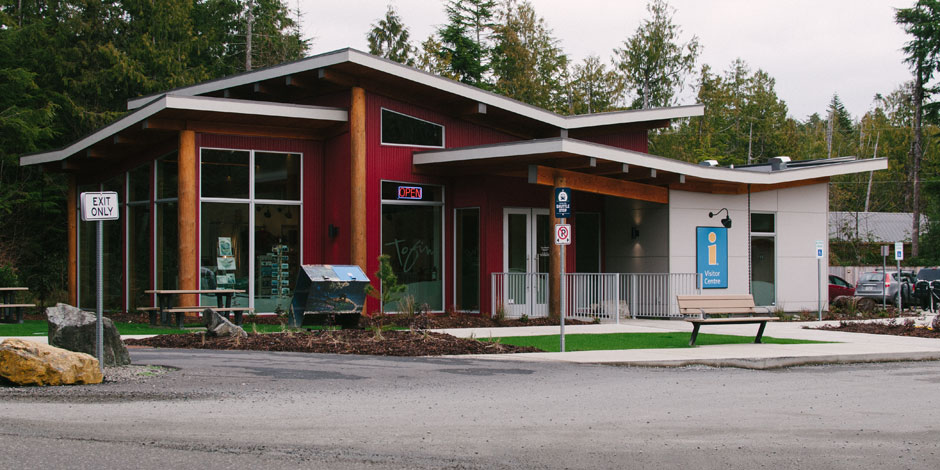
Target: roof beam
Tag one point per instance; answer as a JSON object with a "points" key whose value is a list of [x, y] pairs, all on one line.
{"points": [[599, 185]]}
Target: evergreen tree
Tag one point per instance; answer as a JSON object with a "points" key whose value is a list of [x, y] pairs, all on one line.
{"points": [[594, 87], [464, 39], [653, 63], [389, 38], [922, 21], [528, 63]]}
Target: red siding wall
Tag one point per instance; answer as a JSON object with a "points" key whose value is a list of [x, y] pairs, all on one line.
{"points": [[636, 141]]}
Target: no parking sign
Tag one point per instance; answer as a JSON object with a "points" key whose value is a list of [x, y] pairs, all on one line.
{"points": [[562, 234]]}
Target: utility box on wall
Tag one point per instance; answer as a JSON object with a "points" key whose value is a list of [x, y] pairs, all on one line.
{"points": [[328, 295]]}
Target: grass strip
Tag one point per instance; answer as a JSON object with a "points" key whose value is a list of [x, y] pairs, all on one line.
{"points": [[614, 341]]}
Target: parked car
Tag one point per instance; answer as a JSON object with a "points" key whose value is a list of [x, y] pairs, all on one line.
{"points": [[875, 285], [926, 286], [839, 286]]}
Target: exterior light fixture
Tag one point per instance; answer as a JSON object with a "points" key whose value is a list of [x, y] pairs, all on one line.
{"points": [[634, 233], [726, 221]]}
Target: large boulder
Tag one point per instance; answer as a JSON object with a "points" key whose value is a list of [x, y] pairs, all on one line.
{"points": [[30, 363], [217, 325], [73, 329]]}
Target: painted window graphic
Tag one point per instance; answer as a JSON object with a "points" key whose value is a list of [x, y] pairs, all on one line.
{"points": [[712, 256]]}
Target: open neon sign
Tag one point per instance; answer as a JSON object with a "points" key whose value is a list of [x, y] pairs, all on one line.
{"points": [[410, 192]]}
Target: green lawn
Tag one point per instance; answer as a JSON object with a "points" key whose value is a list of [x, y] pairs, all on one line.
{"points": [[609, 341]]}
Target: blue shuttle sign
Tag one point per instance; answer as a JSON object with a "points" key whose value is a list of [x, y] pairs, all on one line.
{"points": [[562, 203], [712, 256]]}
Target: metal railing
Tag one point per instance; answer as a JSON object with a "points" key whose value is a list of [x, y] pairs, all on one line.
{"points": [[592, 296], [518, 294], [607, 297], [654, 294]]}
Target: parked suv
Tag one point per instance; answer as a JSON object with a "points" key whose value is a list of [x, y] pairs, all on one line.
{"points": [[874, 285], [927, 285]]}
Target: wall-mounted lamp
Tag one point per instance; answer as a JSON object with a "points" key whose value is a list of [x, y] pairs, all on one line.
{"points": [[332, 231], [634, 233], [726, 221]]}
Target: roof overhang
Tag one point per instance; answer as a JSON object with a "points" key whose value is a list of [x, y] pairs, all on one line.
{"points": [[174, 113], [379, 70], [517, 158]]}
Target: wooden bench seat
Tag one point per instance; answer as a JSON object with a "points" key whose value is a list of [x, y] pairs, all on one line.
{"points": [[740, 309], [10, 313], [224, 311]]}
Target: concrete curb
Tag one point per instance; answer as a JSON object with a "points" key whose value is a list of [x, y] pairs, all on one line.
{"points": [[781, 362]]}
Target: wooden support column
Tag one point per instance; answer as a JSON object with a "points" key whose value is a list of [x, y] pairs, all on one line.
{"points": [[357, 174], [554, 261], [71, 207], [188, 242]]}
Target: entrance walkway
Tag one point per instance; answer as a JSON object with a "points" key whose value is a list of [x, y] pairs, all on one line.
{"points": [[848, 347]]}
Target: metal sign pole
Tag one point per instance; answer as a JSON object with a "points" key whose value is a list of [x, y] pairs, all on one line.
{"points": [[99, 329], [884, 270], [563, 296], [900, 288], [819, 285]]}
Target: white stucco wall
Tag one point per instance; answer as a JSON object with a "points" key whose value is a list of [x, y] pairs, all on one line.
{"points": [[801, 220], [648, 253]]}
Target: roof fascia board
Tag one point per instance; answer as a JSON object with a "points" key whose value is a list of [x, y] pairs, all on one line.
{"points": [[423, 78], [155, 106], [577, 147], [246, 78], [190, 103]]}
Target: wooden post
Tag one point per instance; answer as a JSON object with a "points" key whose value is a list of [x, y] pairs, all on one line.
{"points": [[554, 261], [357, 174], [188, 262], [71, 206]]}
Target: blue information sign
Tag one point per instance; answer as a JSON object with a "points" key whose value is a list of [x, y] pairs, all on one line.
{"points": [[562, 203], [711, 245]]}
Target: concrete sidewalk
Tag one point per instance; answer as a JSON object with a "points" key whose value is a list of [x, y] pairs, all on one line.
{"points": [[846, 347]]}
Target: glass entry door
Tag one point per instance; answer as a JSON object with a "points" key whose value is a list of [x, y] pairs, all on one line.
{"points": [[526, 257]]}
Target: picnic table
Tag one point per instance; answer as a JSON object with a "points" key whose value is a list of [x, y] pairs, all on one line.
{"points": [[10, 311], [164, 306]]}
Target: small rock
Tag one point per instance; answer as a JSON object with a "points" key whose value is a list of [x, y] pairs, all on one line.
{"points": [[30, 363], [73, 329], [217, 325]]}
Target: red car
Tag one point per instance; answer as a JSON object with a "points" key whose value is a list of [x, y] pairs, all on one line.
{"points": [[838, 286]]}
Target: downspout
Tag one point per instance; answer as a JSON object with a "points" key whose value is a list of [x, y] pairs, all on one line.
{"points": [[750, 277]]}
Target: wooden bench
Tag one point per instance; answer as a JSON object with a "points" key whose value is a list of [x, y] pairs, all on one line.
{"points": [[224, 311], [13, 313], [739, 309]]}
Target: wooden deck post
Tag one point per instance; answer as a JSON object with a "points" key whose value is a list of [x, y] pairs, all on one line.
{"points": [[357, 174], [554, 261], [71, 207], [188, 242]]}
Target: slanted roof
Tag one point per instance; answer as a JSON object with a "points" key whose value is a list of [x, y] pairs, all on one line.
{"points": [[353, 66], [545, 156], [173, 113]]}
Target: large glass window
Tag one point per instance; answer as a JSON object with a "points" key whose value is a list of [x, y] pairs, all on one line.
{"points": [[225, 249], [401, 129], [166, 250], [411, 236], [587, 231], [467, 255], [225, 173], [139, 228], [251, 219], [763, 259]]}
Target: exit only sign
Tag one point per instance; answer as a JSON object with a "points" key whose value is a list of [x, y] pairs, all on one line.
{"points": [[100, 206]]}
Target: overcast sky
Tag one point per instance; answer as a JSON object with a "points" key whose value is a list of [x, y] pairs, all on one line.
{"points": [[813, 48]]}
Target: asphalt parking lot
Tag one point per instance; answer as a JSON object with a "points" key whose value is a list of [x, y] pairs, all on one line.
{"points": [[222, 409]]}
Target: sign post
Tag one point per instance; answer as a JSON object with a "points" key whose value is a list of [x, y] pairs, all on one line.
{"points": [[884, 269], [99, 207], [899, 255], [820, 249], [562, 238]]}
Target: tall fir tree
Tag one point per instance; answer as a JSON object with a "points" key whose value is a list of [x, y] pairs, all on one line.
{"points": [[653, 62], [464, 39], [389, 38]]}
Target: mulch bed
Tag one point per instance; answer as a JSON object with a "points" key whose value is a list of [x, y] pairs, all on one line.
{"points": [[392, 343], [897, 328]]}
